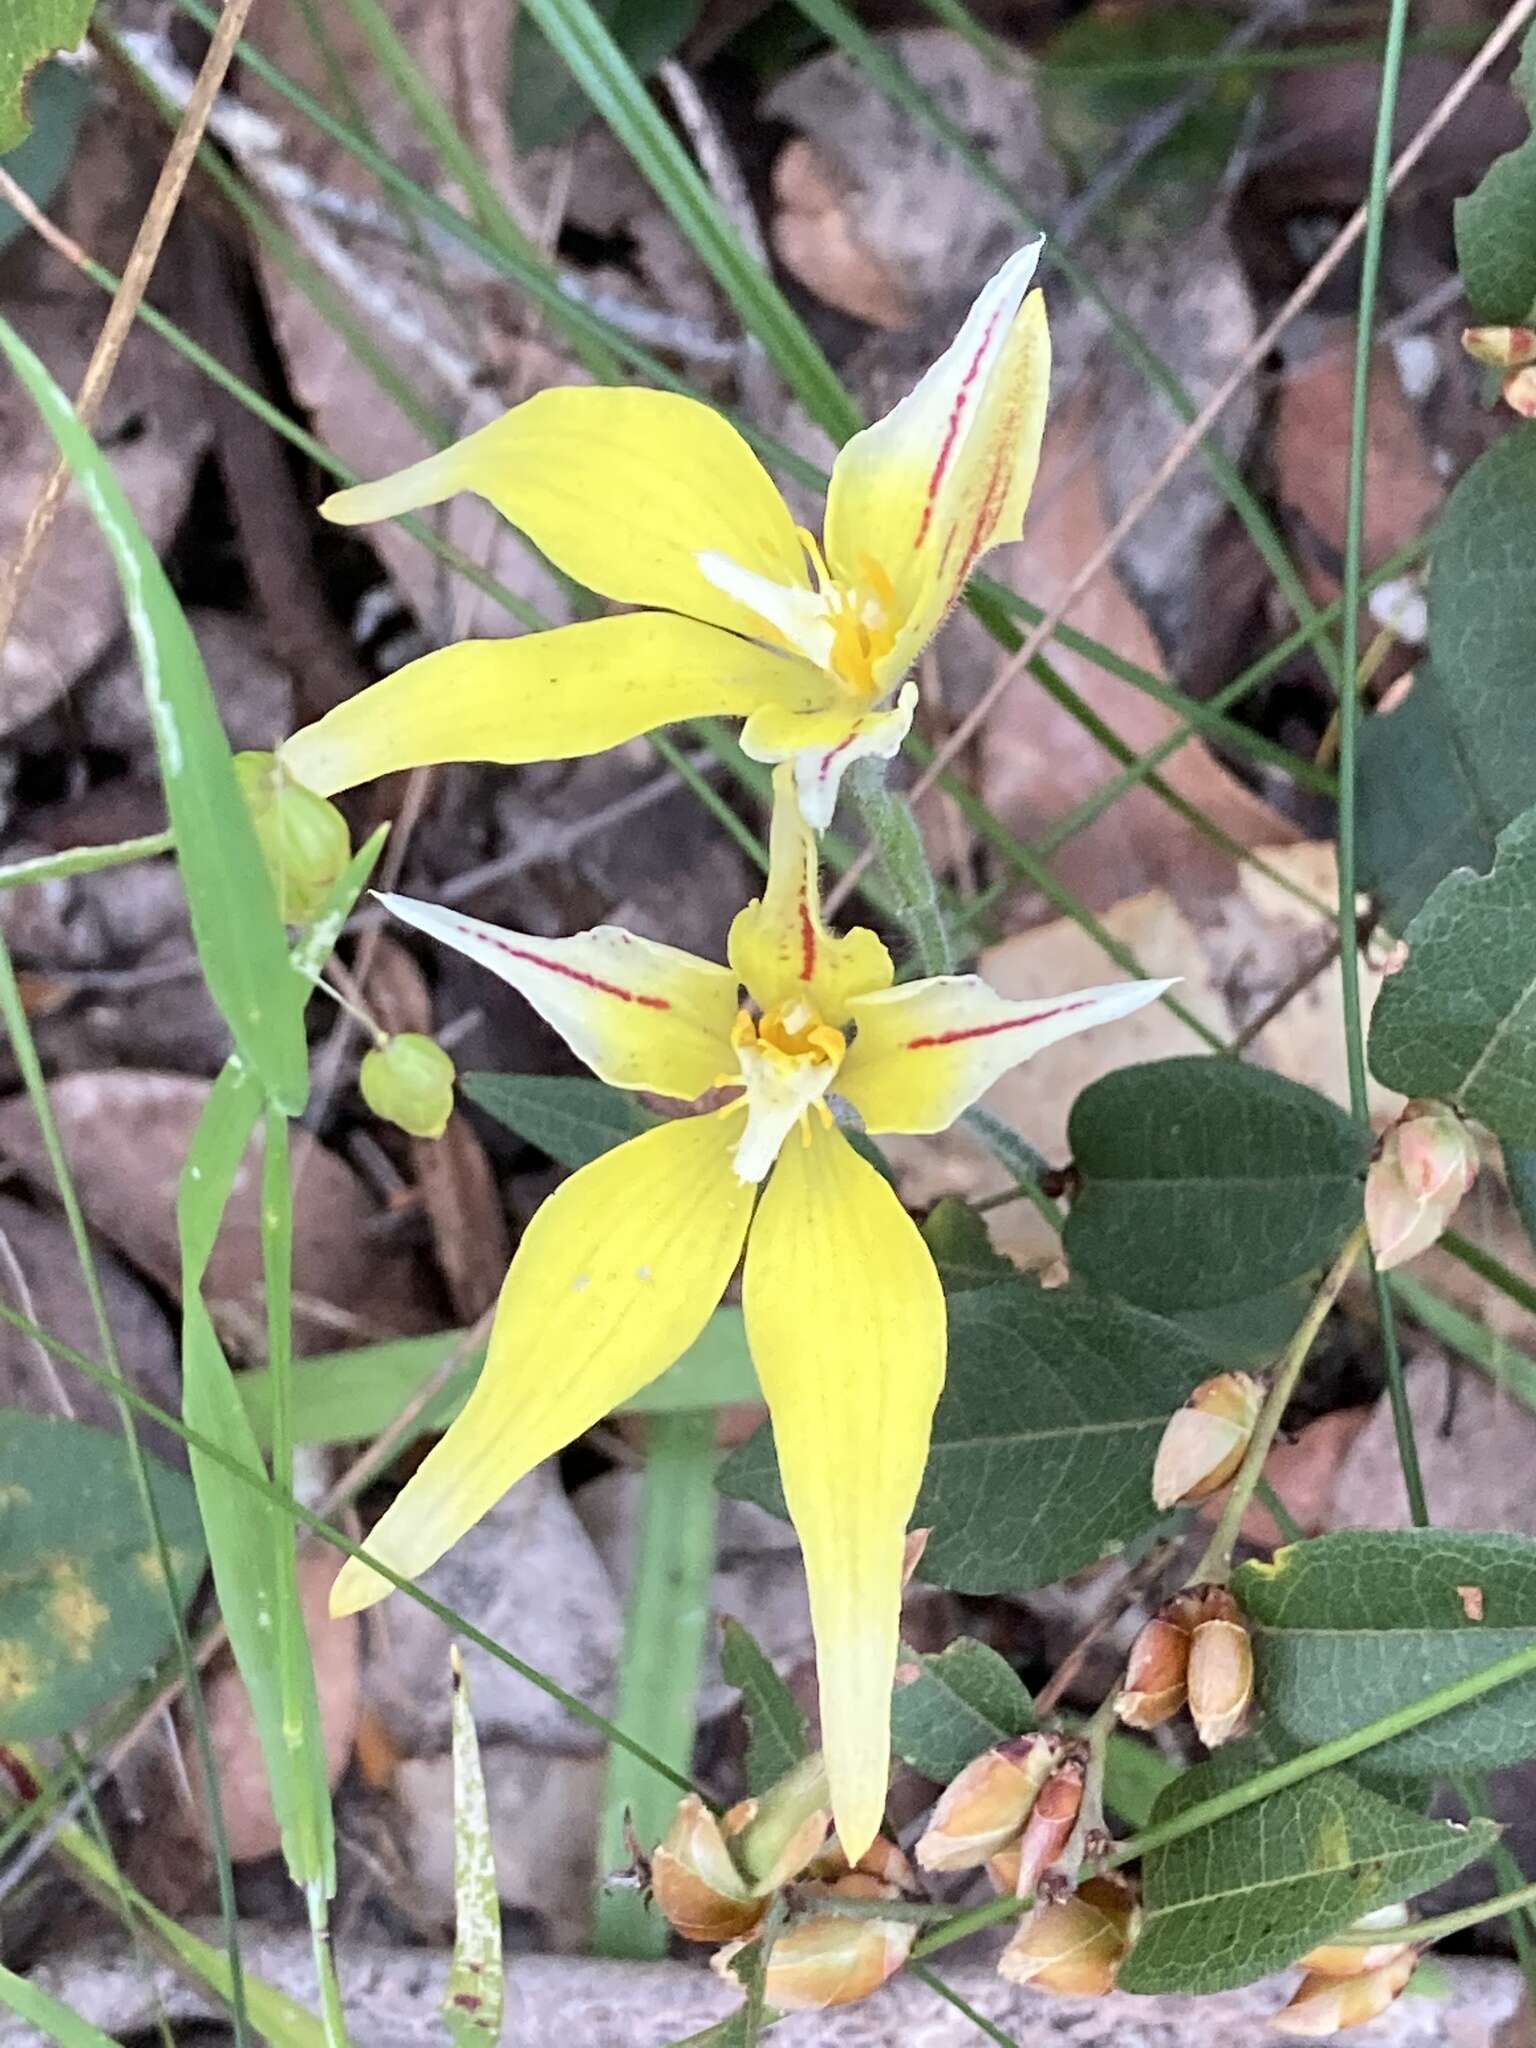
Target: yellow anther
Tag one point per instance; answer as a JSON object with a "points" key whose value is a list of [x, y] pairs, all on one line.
{"points": [[817, 559], [873, 576]]}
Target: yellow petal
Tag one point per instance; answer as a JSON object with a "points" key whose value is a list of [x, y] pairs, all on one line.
{"points": [[845, 1319], [779, 946], [641, 1015], [824, 744], [925, 1052], [948, 472], [621, 489], [615, 1277], [546, 697]]}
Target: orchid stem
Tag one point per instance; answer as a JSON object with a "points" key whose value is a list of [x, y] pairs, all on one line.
{"points": [[898, 844], [1215, 1566]]}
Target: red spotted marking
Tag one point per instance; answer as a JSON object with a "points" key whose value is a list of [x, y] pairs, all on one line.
{"points": [[807, 940], [991, 1030], [604, 988], [831, 755], [952, 428]]}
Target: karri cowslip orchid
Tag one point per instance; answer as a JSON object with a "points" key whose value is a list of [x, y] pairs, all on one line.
{"points": [[621, 1268], [653, 499]]}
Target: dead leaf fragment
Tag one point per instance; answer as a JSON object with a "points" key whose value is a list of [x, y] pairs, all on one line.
{"points": [[815, 239], [1471, 1598]]}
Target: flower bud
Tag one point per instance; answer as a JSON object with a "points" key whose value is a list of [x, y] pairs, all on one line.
{"points": [[303, 837], [409, 1081], [832, 1958], [1347, 1959], [695, 1880], [1327, 2005], [1505, 348], [987, 1805], [1220, 1669], [1415, 1183], [1075, 1945], [1519, 391], [1204, 1442], [1050, 1823], [1156, 1674], [774, 1837]]}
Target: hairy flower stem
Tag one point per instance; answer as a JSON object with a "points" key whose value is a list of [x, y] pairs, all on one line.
{"points": [[898, 844], [1215, 1566]]}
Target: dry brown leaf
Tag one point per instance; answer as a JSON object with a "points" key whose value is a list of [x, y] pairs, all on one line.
{"points": [[125, 1135], [816, 241], [152, 420], [458, 1189], [1037, 761], [244, 1792]]}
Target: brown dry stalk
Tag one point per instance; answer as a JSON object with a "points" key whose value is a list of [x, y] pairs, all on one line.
{"points": [[124, 308], [1514, 20]]}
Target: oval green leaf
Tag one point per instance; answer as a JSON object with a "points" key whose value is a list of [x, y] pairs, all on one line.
{"points": [[949, 1707], [1348, 1627], [1251, 1893], [1203, 1182], [83, 1611]]}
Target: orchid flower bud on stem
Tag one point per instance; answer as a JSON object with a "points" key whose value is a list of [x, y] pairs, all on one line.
{"points": [[1504, 348], [986, 1807], [1416, 1182], [303, 837], [408, 1080], [1327, 2005], [1204, 1441], [1156, 1672], [1075, 1945]]}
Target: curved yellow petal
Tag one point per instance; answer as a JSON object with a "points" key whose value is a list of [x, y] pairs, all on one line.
{"points": [[642, 1015], [948, 472], [620, 488], [547, 697], [925, 1052], [824, 744], [615, 1277], [779, 947], [845, 1319]]}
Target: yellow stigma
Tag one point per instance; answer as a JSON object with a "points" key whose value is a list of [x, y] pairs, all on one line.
{"points": [[861, 615], [788, 1058]]}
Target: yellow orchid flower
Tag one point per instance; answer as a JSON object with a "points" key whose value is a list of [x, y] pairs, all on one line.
{"points": [[621, 1268], [653, 499]]}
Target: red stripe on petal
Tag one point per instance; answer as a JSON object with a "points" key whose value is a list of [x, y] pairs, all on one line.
{"points": [[952, 429], [604, 988], [991, 1030], [807, 941]]}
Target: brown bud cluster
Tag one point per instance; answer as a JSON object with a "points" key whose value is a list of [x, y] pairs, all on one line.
{"points": [[1075, 1945], [1195, 1651], [713, 1879], [832, 1958], [1204, 1441], [1346, 1983]]}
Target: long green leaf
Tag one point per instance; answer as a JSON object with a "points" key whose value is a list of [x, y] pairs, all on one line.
{"points": [[240, 943], [50, 2015]]}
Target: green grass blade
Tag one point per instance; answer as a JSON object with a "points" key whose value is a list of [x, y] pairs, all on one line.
{"points": [[50, 2015], [474, 1995], [235, 926], [664, 1624], [607, 77], [85, 860]]}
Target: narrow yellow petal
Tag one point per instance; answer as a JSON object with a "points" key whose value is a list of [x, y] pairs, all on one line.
{"points": [[779, 946], [824, 745], [925, 1052], [622, 489], [546, 697], [947, 473], [640, 1014], [615, 1277], [845, 1318]]}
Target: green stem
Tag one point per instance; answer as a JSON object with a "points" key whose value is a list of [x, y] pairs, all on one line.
{"points": [[1349, 705], [962, 2005], [899, 849], [1443, 1923], [1216, 1565], [85, 860], [1488, 1268], [1507, 1872]]}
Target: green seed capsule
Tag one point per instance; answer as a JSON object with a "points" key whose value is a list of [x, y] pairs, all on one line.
{"points": [[409, 1081], [303, 837]]}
